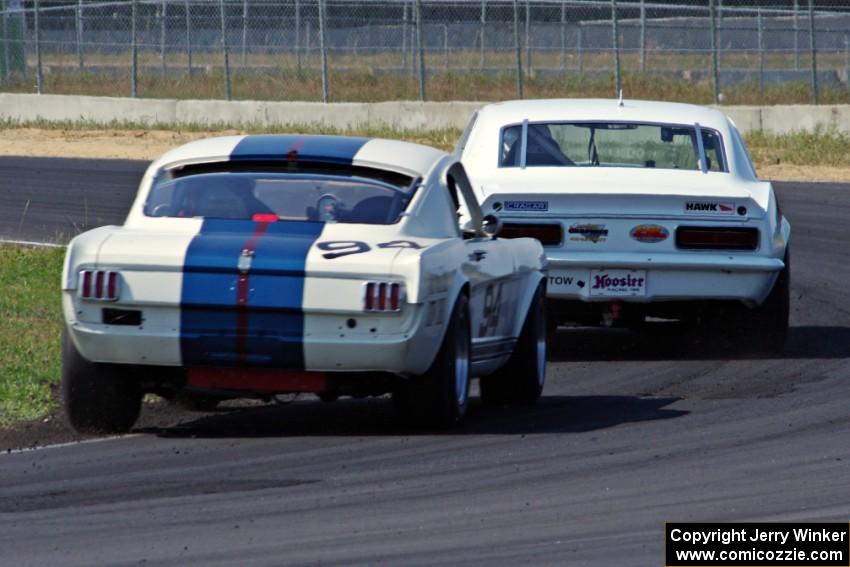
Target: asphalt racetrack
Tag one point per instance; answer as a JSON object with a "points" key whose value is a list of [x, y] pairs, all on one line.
{"points": [[633, 430]]}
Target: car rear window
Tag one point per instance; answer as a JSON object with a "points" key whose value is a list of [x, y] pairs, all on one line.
{"points": [[610, 144], [247, 195]]}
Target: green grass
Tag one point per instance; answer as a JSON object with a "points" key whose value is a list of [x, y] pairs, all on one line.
{"points": [[820, 147], [30, 329], [30, 311], [440, 86]]}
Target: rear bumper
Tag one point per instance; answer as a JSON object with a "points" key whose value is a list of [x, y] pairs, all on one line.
{"points": [[403, 346], [668, 277]]}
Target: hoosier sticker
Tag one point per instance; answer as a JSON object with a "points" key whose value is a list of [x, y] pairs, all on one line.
{"points": [[617, 283], [709, 208], [529, 206]]}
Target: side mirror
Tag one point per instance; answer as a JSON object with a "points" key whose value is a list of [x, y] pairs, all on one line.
{"points": [[491, 226]]}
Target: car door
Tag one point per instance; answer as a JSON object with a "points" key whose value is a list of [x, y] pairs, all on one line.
{"points": [[489, 266]]}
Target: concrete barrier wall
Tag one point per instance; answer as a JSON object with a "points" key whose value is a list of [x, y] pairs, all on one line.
{"points": [[399, 114]]}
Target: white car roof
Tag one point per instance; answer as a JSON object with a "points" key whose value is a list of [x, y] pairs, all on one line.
{"points": [[410, 159], [514, 111]]}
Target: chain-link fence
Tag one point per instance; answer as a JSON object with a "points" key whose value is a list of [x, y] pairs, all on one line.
{"points": [[342, 50]]}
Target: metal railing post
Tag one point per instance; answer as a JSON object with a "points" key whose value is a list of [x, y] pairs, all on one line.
{"points": [[323, 48], [715, 72], [244, 33], [298, 34], [563, 56], [421, 49], [134, 51], [188, 37], [404, 37], [7, 73], [308, 46], [579, 48], [79, 30], [483, 30], [446, 48], [615, 39], [528, 37], [518, 49], [760, 25], [796, 35], [225, 51], [39, 76], [163, 23], [642, 36], [813, 49]]}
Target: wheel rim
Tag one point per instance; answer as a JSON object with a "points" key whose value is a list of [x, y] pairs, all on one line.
{"points": [[541, 348], [462, 363]]}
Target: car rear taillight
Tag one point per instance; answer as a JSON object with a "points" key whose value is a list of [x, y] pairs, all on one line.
{"points": [[99, 285], [717, 238], [547, 234], [383, 296]]}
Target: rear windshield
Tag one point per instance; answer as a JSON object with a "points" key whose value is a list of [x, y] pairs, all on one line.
{"points": [[246, 195], [610, 144]]}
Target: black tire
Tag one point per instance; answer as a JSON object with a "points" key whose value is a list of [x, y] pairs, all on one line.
{"points": [[99, 398], [764, 329], [439, 398], [520, 381]]}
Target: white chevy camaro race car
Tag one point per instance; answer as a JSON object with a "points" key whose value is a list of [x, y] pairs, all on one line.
{"points": [[643, 208], [260, 265]]}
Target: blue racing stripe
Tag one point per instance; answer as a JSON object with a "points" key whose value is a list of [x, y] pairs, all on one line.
{"points": [[333, 149], [266, 326]]}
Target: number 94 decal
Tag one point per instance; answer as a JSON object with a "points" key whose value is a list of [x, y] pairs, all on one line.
{"points": [[338, 248]]}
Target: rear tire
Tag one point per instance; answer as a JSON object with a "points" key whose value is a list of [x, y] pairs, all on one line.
{"points": [[520, 381], [99, 398], [764, 329], [439, 398]]}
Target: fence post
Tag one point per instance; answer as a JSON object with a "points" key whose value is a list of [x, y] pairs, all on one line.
{"points": [[188, 37], [298, 34], [162, 33], [483, 30], [563, 36], [642, 36], [846, 60], [308, 47], [446, 48], [579, 48], [244, 33], [528, 37], [323, 49], [225, 51], [760, 25], [421, 49], [796, 35], [7, 73], [715, 74], [134, 51], [615, 33], [404, 37], [813, 49], [519, 93], [39, 77], [79, 26]]}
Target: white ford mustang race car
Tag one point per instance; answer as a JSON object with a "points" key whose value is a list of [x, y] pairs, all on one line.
{"points": [[260, 265], [643, 208]]}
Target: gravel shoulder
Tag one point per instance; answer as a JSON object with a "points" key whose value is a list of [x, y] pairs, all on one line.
{"points": [[150, 144]]}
